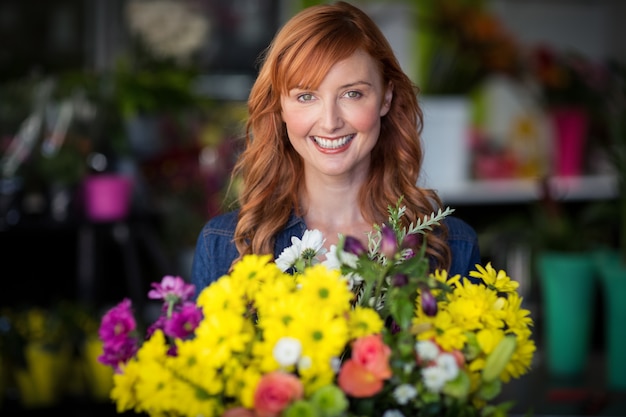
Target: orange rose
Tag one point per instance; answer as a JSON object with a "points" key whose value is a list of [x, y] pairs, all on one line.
{"points": [[357, 381], [275, 392], [373, 354]]}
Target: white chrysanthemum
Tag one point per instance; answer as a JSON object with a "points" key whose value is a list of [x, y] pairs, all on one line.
{"points": [[287, 351], [332, 261], [289, 256], [426, 350], [311, 245], [404, 393], [313, 240], [305, 363], [434, 378], [393, 413], [448, 365]]}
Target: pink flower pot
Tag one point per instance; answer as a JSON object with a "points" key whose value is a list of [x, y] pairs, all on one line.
{"points": [[107, 197], [570, 130]]}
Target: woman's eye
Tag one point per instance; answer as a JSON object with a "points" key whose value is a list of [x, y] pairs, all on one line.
{"points": [[305, 97], [353, 94]]}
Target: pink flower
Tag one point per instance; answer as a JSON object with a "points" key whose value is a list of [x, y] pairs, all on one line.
{"points": [[275, 392], [357, 381], [118, 322], [184, 321], [373, 354], [171, 289], [239, 412]]}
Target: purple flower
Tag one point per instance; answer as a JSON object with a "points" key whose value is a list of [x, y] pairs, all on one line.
{"points": [[411, 241], [429, 303], [183, 321], [388, 242], [115, 352], [399, 280], [117, 323], [171, 289], [354, 246], [158, 324]]}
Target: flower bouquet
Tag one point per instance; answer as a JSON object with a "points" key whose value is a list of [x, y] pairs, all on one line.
{"points": [[367, 331]]}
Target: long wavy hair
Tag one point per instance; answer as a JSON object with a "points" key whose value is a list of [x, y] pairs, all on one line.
{"points": [[272, 172]]}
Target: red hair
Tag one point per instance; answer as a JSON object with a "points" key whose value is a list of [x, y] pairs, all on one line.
{"points": [[272, 172]]}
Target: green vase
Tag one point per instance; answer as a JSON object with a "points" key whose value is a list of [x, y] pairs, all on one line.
{"points": [[567, 285], [613, 280]]}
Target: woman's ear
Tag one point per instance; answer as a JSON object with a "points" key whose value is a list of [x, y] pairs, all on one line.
{"points": [[386, 104]]}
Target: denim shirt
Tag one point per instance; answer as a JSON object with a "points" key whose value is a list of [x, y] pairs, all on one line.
{"points": [[215, 250]]}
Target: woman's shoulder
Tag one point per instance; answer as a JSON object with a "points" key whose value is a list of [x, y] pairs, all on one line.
{"points": [[458, 229], [223, 224]]}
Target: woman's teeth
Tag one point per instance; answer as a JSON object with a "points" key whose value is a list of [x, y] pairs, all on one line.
{"points": [[334, 143]]}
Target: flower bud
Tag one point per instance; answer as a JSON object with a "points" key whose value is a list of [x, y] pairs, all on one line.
{"points": [[411, 241], [388, 242], [354, 246], [399, 280], [429, 303]]}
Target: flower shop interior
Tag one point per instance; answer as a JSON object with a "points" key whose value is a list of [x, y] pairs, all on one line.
{"points": [[120, 122]]}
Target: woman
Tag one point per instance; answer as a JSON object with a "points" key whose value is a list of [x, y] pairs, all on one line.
{"points": [[332, 140]]}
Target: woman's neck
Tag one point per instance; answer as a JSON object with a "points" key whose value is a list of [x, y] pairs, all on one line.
{"points": [[333, 209]]}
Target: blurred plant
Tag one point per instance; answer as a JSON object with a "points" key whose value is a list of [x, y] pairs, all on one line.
{"points": [[567, 78], [49, 352], [462, 43]]}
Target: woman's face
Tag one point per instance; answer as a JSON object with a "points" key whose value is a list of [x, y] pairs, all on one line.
{"points": [[335, 126]]}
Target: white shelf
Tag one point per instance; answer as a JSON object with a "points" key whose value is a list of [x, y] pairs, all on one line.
{"points": [[595, 187]]}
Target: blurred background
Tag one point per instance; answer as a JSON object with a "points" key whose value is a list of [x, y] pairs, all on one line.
{"points": [[524, 136]]}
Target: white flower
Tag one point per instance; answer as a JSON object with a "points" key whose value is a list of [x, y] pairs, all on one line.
{"points": [[393, 413], [444, 369], [287, 351], [305, 363], [434, 378], [427, 350], [310, 247], [404, 393], [448, 365]]}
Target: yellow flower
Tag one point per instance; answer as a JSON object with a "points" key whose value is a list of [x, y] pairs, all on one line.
{"points": [[251, 272], [325, 289], [517, 319], [364, 322], [522, 357], [475, 306], [123, 392], [442, 329], [499, 280], [222, 295]]}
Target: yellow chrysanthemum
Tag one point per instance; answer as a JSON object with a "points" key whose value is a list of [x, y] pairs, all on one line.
{"points": [[324, 288], [218, 336], [515, 317], [196, 361], [123, 392], [252, 271], [222, 295], [497, 280], [441, 275], [522, 358], [475, 306], [443, 330], [364, 322], [151, 384]]}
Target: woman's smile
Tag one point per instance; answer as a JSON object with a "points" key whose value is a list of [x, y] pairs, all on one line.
{"points": [[333, 144]]}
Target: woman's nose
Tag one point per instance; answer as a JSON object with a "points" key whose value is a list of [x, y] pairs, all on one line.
{"points": [[331, 116]]}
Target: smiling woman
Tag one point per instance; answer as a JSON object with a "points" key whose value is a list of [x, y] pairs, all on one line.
{"points": [[319, 139]]}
